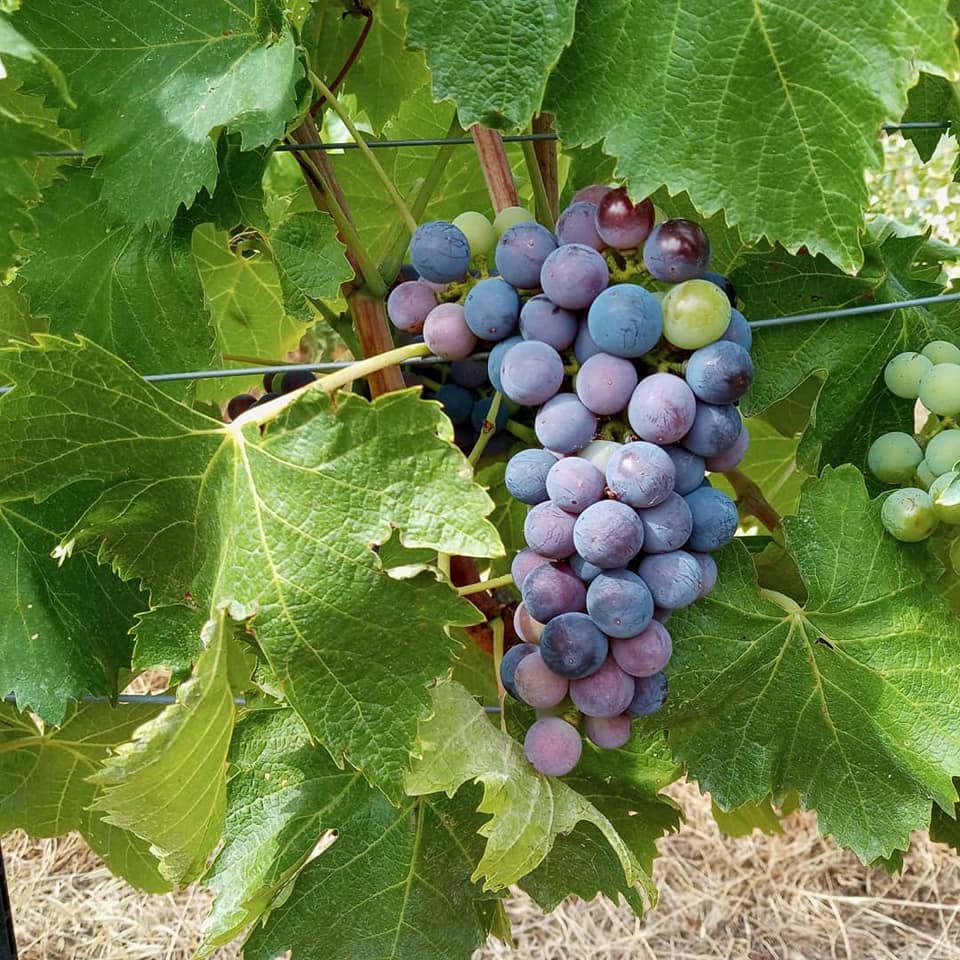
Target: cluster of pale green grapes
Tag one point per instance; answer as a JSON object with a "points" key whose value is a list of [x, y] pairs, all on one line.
{"points": [[925, 463]]}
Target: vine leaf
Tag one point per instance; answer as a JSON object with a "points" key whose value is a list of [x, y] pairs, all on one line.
{"points": [[47, 789], [14, 44], [279, 526], [944, 825], [816, 84], [152, 84], [848, 699]]}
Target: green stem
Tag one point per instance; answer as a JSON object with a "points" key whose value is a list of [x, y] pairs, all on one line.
{"points": [[486, 430], [497, 627], [367, 152], [443, 564], [523, 433], [482, 585], [542, 201]]}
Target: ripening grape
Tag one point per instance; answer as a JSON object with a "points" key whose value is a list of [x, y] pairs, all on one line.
{"points": [[738, 331], [524, 563], [715, 519], [625, 320], [573, 646], [724, 283], [650, 694], [551, 589], [549, 531], [645, 653], [240, 404], [731, 458], [609, 534], [677, 250], [573, 275], [497, 353], [440, 252], [666, 526], [908, 515], [903, 374], [940, 389], [527, 629], [605, 383], [525, 476], [894, 457], [591, 194], [641, 474], [584, 346], [531, 372], [584, 570], [708, 571], [662, 408], [446, 333], [621, 223], [509, 217], [695, 313], [564, 424], [619, 603], [492, 309], [508, 666], [715, 429], [607, 692], [536, 684], [573, 484], [456, 401], [608, 733], [942, 351], [479, 232], [408, 305], [296, 379], [578, 224], [672, 578], [552, 746], [688, 467], [720, 372]]}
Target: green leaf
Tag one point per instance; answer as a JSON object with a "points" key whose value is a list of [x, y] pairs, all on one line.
{"points": [[765, 111], [154, 85], [945, 826], [47, 789], [527, 811], [849, 699], [179, 760], [168, 636], [743, 820], [279, 525], [15, 320], [237, 200], [16, 45], [491, 56], [135, 292]]}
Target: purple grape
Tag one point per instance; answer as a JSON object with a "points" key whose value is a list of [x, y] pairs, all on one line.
{"points": [[715, 429], [457, 402], [440, 252], [719, 280], [527, 629], [584, 347], [619, 603], [673, 578], [645, 653], [524, 563], [573, 484], [739, 330], [578, 224], [536, 684], [521, 251], [621, 223], [497, 353], [508, 666], [690, 469], [552, 589], [732, 457], [609, 534], [667, 526], [708, 571], [661, 614], [677, 250], [715, 519], [608, 733], [542, 319], [625, 320], [552, 746], [573, 275], [446, 333], [591, 194], [491, 309], [469, 373], [720, 372], [296, 379], [662, 408], [241, 403], [531, 372], [641, 474], [564, 424], [650, 694], [525, 476], [549, 531], [408, 305], [572, 645], [606, 692], [605, 383], [585, 571]]}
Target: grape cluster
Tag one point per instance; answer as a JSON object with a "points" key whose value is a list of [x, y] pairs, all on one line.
{"points": [[930, 482], [635, 391], [272, 388]]}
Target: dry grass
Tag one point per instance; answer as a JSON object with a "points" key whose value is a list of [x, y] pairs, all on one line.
{"points": [[794, 897]]}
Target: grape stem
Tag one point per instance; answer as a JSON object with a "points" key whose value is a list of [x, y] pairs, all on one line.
{"points": [[496, 167], [522, 432], [751, 500], [497, 627], [486, 430], [443, 564], [541, 200], [482, 585]]}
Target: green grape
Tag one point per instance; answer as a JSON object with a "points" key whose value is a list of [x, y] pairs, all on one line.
{"points": [[955, 555], [925, 476], [508, 216], [945, 494], [943, 451], [940, 389], [942, 351], [894, 457], [908, 515], [479, 232], [903, 373], [695, 313]]}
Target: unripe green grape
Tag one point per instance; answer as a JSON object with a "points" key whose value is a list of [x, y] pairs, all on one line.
{"points": [[942, 351], [940, 389], [695, 313], [945, 494], [903, 373], [509, 216], [479, 232], [925, 476], [943, 451], [908, 515], [955, 555], [894, 457]]}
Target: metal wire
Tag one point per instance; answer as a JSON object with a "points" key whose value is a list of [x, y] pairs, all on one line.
{"points": [[857, 311]]}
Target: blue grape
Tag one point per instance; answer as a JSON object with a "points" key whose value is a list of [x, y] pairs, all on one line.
{"points": [[578, 224], [531, 372], [456, 401], [573, 484], [607, 692], [521, 252], [609, 534], [645, 653], [719, 280], [584, 347], [551, 589], [650, 694], [605, 383], [667, 526], [446, 333], [690, 469], [408, 305], [552, 746], [662, 408], [524, 563], [619, 603], [731, 458], [536, 684], [440, 251], [739, 330], [677, 250], [573, 275], [720, 372], [542, 319], [584, 570], [564, 424], [715, 429], [708, 572], [549, 531], [715, 519], [641, 474], [573, 646], [497, 353], [491, 309], [468, 373], [526, 475], [625, 320], [508, 666], [480, 411], [608, 733], [673, 578]]}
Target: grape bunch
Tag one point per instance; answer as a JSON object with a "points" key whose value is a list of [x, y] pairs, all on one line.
{"points": [[924, 466], [635, 388]]}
